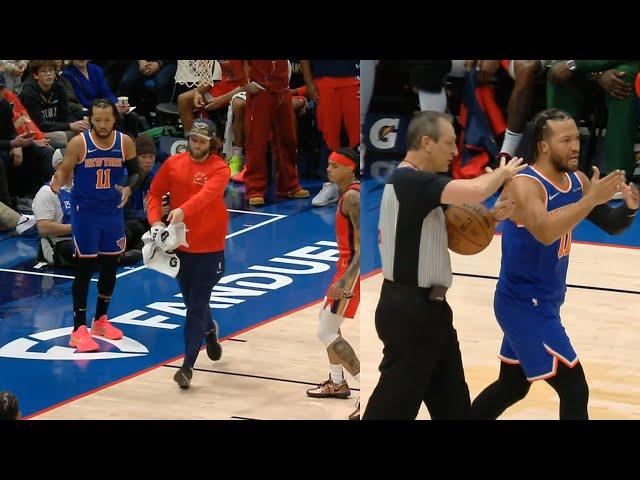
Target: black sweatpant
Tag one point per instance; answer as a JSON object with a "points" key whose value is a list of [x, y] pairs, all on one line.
{"points": [[422, 361], [199, 272], [134, 229]]}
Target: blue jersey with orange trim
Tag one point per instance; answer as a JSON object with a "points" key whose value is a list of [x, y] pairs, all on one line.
{"points": [[65, 202], [531, 270], [96, 176]]}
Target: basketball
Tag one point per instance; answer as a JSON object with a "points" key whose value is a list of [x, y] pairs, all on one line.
{"points": [[470, 228]]}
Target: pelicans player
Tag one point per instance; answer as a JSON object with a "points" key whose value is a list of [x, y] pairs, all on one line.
{"points": [[343, 295]]}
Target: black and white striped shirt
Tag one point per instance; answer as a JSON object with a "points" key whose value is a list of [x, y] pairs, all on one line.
{"points": [[412, 234]]}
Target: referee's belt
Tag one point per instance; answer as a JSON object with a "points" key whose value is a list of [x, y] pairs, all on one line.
{"points": [[435, 293]]}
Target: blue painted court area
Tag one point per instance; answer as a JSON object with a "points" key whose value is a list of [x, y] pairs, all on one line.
{"points": [[372, 195], [278, 258]]}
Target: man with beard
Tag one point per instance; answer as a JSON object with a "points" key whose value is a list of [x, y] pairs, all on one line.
{"points": [[195, 181], [551, 198], [98, 158]]}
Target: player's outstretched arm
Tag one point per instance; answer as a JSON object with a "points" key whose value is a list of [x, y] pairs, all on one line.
{"points": [[614, 221], [547, 227], [351, 207], [481, 188]]}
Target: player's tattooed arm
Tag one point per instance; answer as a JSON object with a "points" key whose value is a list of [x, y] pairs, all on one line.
{"points": [[351, 207]]}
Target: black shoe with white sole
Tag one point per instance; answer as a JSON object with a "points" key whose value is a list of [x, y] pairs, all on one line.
{"points": [[214, 349], [183, 377]]}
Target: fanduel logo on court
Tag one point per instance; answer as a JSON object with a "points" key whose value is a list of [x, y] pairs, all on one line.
{"points": [[20, 348], [231, 290]]}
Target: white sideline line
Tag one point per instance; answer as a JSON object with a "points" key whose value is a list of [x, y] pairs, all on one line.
{"points": [[257, 225], [256, 213], [128, 272], [41, 274]]}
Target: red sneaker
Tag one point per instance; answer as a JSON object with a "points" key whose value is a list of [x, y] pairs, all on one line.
{"points": [[82, 341], [103, 328]]}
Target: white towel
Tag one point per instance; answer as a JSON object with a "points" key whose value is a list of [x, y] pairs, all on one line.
{"points": [[171, 237], [159, 243], [156, 259]]}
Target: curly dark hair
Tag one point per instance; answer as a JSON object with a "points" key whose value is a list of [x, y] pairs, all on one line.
{"points": [[9, 409]]}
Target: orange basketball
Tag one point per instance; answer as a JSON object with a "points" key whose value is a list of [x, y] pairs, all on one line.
{"points": [[470, 228]]}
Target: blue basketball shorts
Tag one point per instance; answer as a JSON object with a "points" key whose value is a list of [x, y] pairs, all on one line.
{"points": [[97, 233], [533, 336]]}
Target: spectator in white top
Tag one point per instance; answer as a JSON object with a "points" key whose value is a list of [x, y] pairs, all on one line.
{"points": [[53, 216]]}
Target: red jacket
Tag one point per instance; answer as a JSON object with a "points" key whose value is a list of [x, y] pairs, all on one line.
{"points": [[198, 189], [273, 75], [21, 119]]}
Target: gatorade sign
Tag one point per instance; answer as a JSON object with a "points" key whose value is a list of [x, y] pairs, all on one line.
{"points": [[386, 133]]}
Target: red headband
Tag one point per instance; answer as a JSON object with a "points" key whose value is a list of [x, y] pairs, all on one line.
{"points": [[342, 160]]}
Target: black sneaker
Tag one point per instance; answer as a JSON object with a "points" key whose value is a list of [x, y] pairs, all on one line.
{"points": [[183, 377], [214, 350]]}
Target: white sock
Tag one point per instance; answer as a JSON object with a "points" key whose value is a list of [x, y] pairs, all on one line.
{"points": [[511, 142], [433, 101], [336, 373], [237, 151]]}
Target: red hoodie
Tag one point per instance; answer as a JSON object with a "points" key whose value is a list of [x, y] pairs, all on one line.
{"points": [[198, 189], [21, 119]]}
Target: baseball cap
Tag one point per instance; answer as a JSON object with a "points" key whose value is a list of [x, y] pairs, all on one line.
{"points": [[203, 128], [57, 158]]}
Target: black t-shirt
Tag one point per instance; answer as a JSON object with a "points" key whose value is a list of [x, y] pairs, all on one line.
{"points": [[413, 238]]}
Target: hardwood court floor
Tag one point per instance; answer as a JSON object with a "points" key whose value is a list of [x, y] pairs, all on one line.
{"points": [[263, 374], [604, 327]]}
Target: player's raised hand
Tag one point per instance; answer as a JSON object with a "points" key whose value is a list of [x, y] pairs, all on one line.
{"points": [[631, 196], [602, 189], [125, 192], [509, 169]]}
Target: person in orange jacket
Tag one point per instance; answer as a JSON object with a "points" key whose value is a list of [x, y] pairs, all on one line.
{"points": [[195, 181]]}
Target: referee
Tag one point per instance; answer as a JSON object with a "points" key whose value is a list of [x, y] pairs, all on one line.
{"points": [[422, 361]]}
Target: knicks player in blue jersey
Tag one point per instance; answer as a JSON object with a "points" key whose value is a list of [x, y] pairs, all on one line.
{"points": [[98, 158], [551, 197]]}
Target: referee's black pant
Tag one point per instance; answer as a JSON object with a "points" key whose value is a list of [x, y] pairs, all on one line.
{"points": [[199, 272], [422, 361]]}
